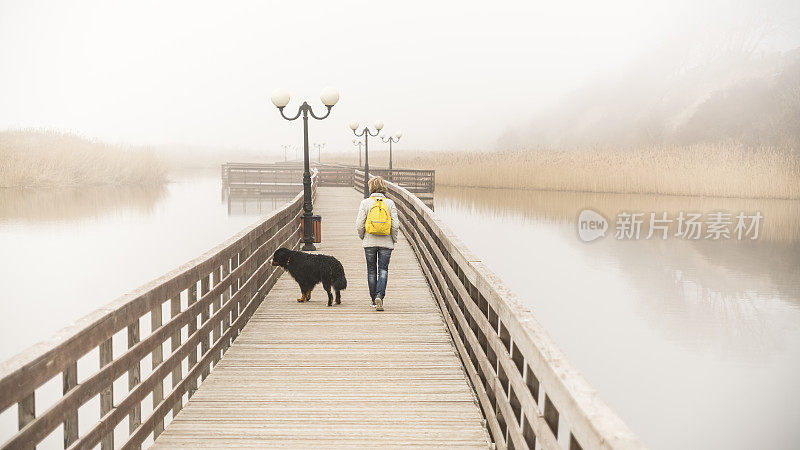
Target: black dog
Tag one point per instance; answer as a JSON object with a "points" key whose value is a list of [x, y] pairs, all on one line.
{"points": [[309, 269]]}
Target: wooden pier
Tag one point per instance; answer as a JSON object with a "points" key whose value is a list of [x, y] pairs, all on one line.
{"points": [[306, 375], [218, 353]]}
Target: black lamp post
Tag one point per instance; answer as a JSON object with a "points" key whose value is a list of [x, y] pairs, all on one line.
{"points": [[358, 143], [329, 97], [390, 140], [285, 148], [366, 133], [319, 146]]}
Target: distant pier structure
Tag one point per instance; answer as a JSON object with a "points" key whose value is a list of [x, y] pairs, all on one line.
{"points": [[252, 181]]}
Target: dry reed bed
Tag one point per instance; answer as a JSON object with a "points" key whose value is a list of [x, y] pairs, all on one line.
{"points": [[32, 158], [703, 170]]}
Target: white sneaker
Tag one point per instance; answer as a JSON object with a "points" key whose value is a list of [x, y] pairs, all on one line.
{"points": [[378, 304]]}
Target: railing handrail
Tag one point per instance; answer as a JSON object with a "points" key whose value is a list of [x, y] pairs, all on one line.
{"points": [[527, 345], [418, 181], [241, 257]]}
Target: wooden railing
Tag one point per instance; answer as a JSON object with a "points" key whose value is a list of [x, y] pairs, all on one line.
{"points": [[264, 175], [528, 390], [335, 175], [243, 176], [227, 167], [416, 181], [199, 307]]}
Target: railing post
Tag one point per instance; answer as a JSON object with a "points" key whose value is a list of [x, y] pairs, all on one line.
{"points": [[134, 377], [216, 304], [107, 394], [69, 379], [174, 310], [157, 358], [234, 290], [226, 295], [26, 410], [192, 384], [204, 344]]}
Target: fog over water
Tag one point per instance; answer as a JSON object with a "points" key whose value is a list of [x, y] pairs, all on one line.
{"points": [[450, 75], [693, 344]]}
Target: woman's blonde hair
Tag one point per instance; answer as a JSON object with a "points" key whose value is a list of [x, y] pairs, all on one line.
{"points": [[377, 185]]}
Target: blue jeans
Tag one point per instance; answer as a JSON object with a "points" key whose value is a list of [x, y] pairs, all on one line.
{"points": [[377, 270]]}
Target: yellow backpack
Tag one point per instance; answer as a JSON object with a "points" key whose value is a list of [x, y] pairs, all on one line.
{"points": [[379, 221]]}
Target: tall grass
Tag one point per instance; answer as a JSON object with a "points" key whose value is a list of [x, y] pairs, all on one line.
{"points": [[34, 158], [701, 170]]}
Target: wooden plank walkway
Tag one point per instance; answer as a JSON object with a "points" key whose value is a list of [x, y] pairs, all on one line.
{"points": [[306, 375]]}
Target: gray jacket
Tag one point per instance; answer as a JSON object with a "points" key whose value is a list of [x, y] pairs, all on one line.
{"points": [[373, 240]]}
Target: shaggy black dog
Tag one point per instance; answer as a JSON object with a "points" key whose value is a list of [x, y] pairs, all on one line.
{"points": [[309, 269]]}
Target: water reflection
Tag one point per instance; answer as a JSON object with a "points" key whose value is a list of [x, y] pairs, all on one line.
{"points": [[782, 217], [687, 333], [254, 203], [71, 203]]}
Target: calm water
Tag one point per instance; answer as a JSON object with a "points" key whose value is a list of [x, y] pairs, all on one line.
{"points": [[695, 344]]}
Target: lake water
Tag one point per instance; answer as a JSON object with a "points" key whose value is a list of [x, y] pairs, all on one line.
{"points": [[695, 344]]}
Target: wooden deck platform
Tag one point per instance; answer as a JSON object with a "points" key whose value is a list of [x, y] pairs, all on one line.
{"points": [[307, 375]]}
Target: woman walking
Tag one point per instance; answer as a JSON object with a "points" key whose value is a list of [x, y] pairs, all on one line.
{"points": [[377, 226]]}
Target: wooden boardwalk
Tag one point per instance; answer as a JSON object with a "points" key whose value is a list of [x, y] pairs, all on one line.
{"points": [[307, 375]]}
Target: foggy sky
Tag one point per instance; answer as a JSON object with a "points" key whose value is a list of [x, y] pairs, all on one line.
{"points": [[449, 75]]}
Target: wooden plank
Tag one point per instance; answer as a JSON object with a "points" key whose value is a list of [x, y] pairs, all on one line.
{"points": [[134, 377], [157, 357], [226, 295], [192, 328], [205, 284], [69, 380], [107, 394], [216, 304], [26, 410], [175, 343]]}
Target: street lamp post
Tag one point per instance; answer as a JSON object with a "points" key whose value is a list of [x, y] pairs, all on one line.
{"points": [[390, 140], [285, 147], [319, 146], [358, 143], [329, 97], [366, 133]]}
